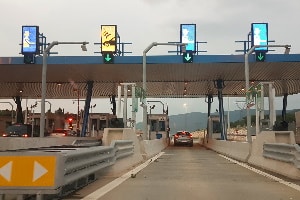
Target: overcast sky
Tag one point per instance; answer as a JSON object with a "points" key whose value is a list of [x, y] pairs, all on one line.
{"points": [[219, 23]]}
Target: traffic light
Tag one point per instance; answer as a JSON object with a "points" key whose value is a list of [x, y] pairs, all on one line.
{"points": [[70, 120], [108, 58], [29, 58]]}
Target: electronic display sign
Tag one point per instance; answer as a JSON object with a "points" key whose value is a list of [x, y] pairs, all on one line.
{"points": [[30, 39], [109, 38], [188, 35], [259, 35]]}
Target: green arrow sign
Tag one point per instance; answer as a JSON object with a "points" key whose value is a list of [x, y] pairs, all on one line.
{"points": [[108, 58], [187, 57], [260, 56]]}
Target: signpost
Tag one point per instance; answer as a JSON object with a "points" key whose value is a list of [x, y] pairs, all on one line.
{"points": [[30, 43], [24, 171], [188, 36], [108, 43]]}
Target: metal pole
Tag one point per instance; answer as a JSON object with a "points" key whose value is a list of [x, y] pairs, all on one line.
{"points": [[44, 77], [44, 86], [125, 107], [133, 99], [247, 83], [119, 101], [77, 124], [145, 128]]}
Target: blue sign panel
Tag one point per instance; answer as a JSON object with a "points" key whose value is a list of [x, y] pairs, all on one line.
{"points": [[30, 39], [188, 35], [259, 35]]}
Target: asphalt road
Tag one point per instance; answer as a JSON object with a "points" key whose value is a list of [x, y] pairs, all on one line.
{"points": [[193, 173]]}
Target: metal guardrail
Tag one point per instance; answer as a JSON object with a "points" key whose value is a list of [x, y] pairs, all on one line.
{"points": [[56, 171], [87, 142], [289, 153]]}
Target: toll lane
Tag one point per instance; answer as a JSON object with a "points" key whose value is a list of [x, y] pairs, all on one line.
{"points": [[197, 173]]}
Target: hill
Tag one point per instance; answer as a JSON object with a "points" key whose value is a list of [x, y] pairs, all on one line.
{"points": [[197, 120]]}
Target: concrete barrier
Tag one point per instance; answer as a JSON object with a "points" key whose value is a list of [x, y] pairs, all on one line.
{"points": [[152, 147], [257, 158], [143, 149], [237, 150], [12, 143]]}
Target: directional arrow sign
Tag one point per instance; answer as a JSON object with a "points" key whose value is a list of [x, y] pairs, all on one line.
{"points": [[187, 57], [25, 171], [260, 56], [108, 58]]}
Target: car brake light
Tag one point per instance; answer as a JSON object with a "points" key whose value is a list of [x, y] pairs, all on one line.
{"points": [[64, 134], [176, 136], [25, 135], [4, 135]]}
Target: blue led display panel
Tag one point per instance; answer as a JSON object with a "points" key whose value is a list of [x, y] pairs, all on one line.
{"points": [[259, 35], [30, 39], [188, 35]]}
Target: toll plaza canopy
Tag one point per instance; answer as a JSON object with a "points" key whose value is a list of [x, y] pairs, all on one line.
{"points": [[167, 76]]}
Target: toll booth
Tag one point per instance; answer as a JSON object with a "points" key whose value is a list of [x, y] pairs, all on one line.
{"points": [[99, 121], [214, 127], [158, 126]]}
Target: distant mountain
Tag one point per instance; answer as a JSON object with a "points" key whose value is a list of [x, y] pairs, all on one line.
{"points": [[197, 120]]}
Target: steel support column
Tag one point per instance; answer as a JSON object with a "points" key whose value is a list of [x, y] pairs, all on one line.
{"points": [[87, 107], [219, 84], [209, 101]]}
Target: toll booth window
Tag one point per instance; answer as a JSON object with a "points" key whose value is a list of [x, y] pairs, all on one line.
{"points": [[216, 127], [153, 125], [102, 124], [162, 125]]}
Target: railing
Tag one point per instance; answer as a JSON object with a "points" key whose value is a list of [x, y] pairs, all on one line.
{"points": [[64, 169], [289, 153]]}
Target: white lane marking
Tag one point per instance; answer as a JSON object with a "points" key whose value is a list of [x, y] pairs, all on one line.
{"points": [[105, 189], [289, 184]]}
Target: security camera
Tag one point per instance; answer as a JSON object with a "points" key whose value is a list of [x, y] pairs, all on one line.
{"points": [[83, 47], [287, 50]]}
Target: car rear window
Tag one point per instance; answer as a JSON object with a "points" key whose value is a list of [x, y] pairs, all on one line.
{"points": [[183, 133]]}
